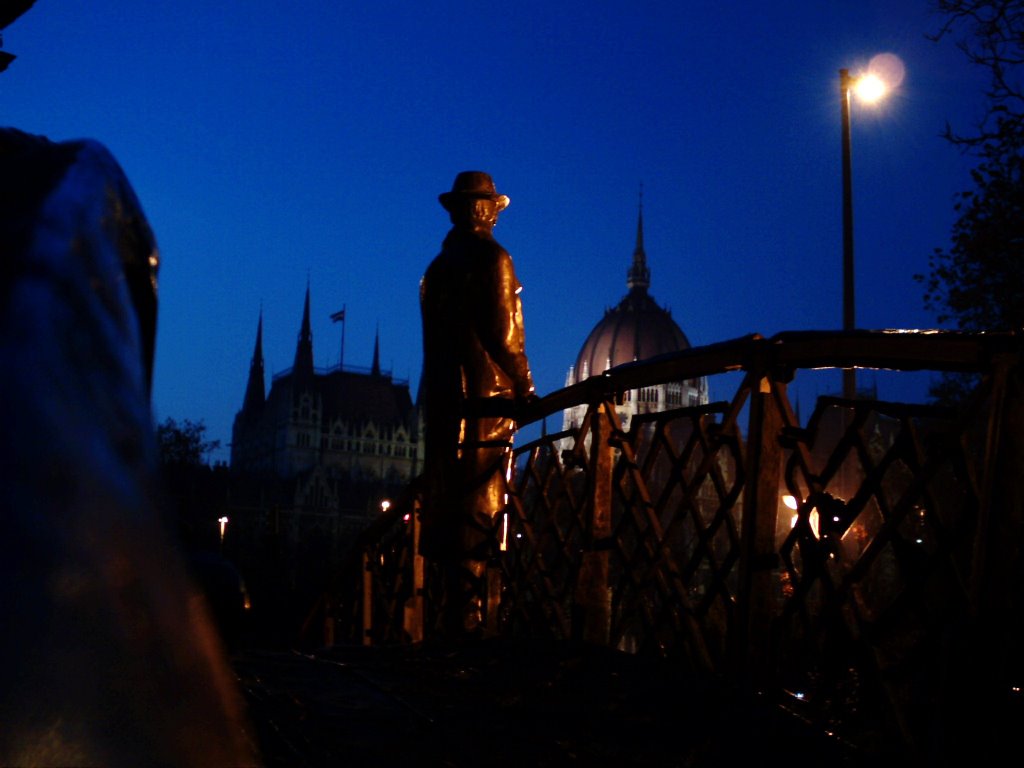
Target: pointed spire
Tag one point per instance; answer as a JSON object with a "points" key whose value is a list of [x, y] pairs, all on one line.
{"points": [[255, 394], [304, 349], [639, 276], [375, 370]]}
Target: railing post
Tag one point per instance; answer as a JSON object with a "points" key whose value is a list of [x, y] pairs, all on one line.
{"points": [[1002, 612], [412, 616], [593, 592], [756, 609], [367, 600], [982, 700]]}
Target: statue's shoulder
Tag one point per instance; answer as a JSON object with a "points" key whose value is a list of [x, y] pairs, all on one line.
{"points": [[16, 145], [33, 168], [493, 251]]}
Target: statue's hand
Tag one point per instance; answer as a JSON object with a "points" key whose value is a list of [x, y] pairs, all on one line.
{"points": [[528, 399], [525, 403]]}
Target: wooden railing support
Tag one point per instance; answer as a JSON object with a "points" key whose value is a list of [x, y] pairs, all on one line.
{"points": [[756, 599], [592, 617], [367, 600], [412, 613]]}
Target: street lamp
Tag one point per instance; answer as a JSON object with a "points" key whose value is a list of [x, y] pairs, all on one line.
{"points": [[868, 88]]}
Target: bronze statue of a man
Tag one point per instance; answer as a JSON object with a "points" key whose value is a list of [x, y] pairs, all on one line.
{"points": [[474, 371]]}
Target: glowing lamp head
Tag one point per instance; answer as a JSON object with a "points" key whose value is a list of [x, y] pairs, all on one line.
{"points": [[883, 74], [870, 88]]}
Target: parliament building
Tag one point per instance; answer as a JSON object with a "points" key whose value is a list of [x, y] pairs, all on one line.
{"points": [[324, 432]]}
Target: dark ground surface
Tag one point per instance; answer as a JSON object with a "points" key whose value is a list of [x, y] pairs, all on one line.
{"points": [[505, 703]]}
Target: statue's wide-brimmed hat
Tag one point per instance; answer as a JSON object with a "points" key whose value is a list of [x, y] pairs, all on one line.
{"points": [[475, 185]]}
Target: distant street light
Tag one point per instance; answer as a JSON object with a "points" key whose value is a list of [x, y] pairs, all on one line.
{"points": [[869, 88], [223, 525]]}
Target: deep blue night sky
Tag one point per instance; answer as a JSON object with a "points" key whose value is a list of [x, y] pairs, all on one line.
{"points": [[273, 143]]}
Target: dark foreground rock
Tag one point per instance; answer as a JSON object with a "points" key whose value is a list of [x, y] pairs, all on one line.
{"points": [[505, 703]]}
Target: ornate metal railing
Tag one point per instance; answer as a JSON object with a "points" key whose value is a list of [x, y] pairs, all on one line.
{"points": [[864, 568]]}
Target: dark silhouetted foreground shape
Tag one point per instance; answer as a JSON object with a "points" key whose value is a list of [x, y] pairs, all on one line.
{"points": [[108, 654], [505, 703]]}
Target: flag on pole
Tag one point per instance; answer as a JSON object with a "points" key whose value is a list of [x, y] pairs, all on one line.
{"points": [[339, 317]]}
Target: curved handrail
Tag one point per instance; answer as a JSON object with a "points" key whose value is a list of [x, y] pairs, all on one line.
{"points": [[892, 349]]}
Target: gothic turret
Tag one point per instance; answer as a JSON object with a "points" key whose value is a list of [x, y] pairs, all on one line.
{"points": [[303, 365], [255, 394], [639, 276]]}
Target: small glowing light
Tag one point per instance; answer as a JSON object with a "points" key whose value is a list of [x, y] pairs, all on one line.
{"points": [[223, 524], [799, 695], [812, 519], [406, 518], [519, 535], [385, 505], [1015, 689], [919, 541], [869, 88], [835, 518], [790, 501], [503, 544]]}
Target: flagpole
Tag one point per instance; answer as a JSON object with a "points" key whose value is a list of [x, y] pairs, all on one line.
{"points": [[339, 317]]}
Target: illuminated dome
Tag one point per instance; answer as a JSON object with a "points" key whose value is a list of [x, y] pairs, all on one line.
{"points": [[636, 329]]}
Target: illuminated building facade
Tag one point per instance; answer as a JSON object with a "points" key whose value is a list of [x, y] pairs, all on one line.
{"points": [[325, 429]]}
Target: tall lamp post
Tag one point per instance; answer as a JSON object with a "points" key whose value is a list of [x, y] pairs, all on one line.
{"points": [[868, 88]]}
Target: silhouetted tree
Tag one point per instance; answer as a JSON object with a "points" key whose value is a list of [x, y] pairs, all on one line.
{"points": [[184, 444], [990, 35], [977, 282]]}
